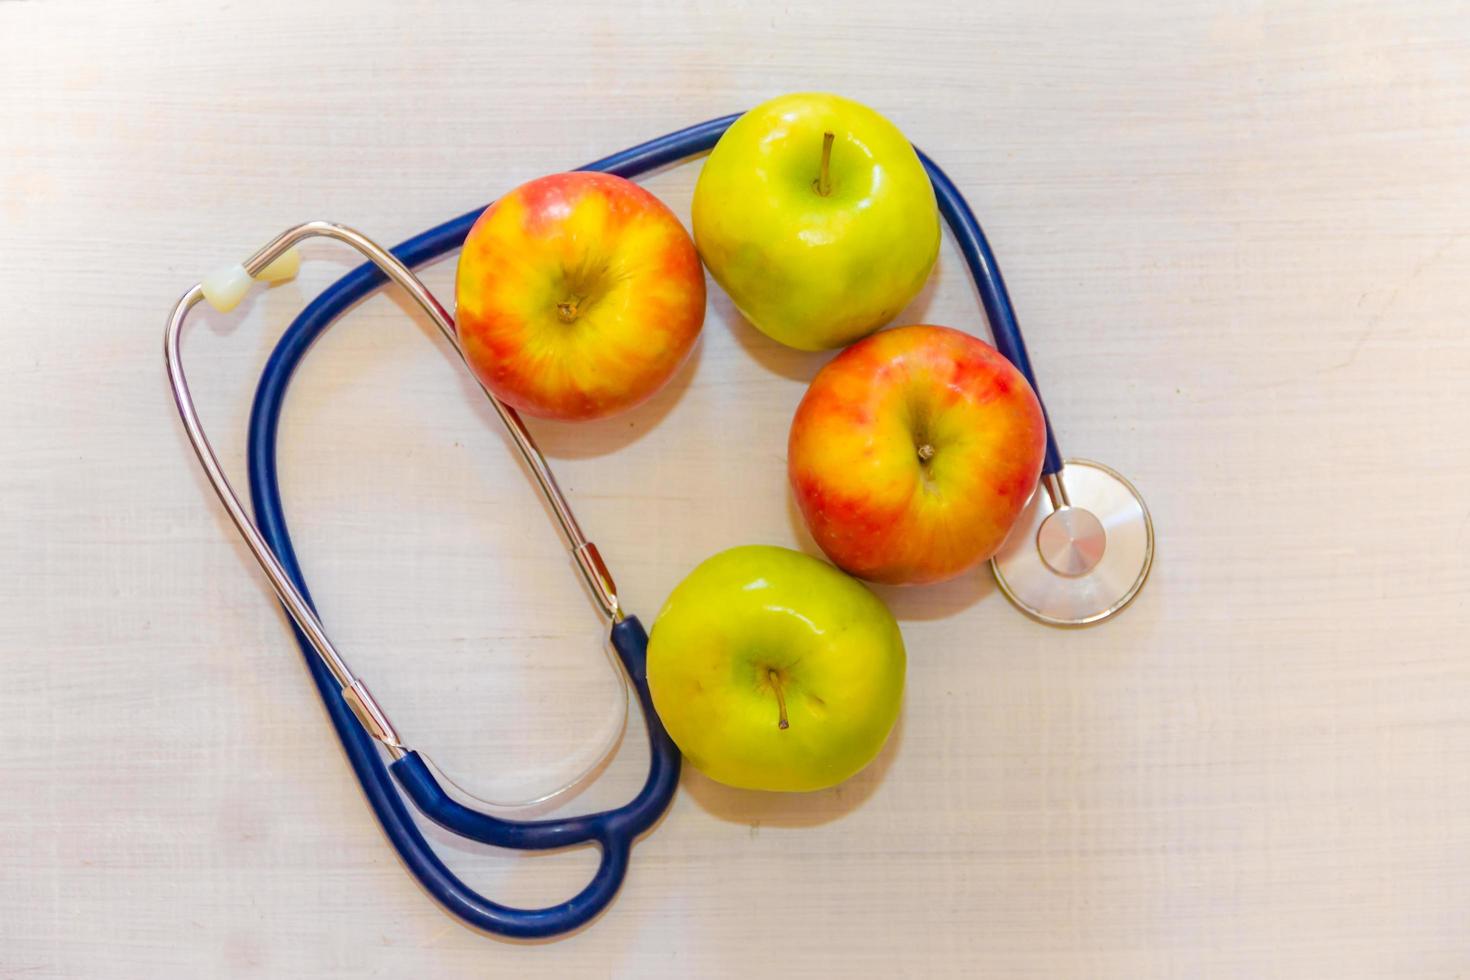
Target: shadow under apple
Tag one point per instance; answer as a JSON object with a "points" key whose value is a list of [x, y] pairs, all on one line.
{"points": [[788, 362], [918, 307], [939, 600], [572, 440], [792, 809], [601, 437]]}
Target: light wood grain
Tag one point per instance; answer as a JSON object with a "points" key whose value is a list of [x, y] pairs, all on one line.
{"points": [[1238, 235]]}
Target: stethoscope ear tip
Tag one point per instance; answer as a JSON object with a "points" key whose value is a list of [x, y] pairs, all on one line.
{"points": [[1082, 549], [224, 288]]}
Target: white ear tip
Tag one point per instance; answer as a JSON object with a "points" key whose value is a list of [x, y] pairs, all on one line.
{"points": [[282, 269], [224, 288]]}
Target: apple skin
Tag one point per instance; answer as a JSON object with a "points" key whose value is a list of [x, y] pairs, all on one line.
{"points": [[835, 650], [872, 503], [578, 296], [812, 271]]}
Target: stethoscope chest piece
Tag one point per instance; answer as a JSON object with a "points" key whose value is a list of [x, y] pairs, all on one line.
{"points": [[1081, 550]]}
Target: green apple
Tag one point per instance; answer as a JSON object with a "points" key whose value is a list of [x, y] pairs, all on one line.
{"points": [[773, 670], [814, 213]]}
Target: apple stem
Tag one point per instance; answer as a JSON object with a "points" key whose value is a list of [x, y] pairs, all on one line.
{"points": [[824, 176], [926, 452], [775, 680]]}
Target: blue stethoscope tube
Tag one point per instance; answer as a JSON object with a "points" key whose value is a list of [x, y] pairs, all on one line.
{"points": [[614, 831]]}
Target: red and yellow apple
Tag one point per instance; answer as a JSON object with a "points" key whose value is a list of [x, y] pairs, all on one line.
{"points": [[913, 452], [578, 296]]}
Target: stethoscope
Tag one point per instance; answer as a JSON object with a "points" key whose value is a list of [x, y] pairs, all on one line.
{"points": [[1079, 553]]}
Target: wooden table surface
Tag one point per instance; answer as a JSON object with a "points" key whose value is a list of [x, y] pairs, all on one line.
{"points": [[1239, 238]]}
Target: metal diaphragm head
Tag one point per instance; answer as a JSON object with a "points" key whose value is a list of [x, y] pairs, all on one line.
{"points": [[1080, 551]]}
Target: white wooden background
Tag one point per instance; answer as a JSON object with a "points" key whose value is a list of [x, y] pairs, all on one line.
{"points": [[1239, 237]]}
